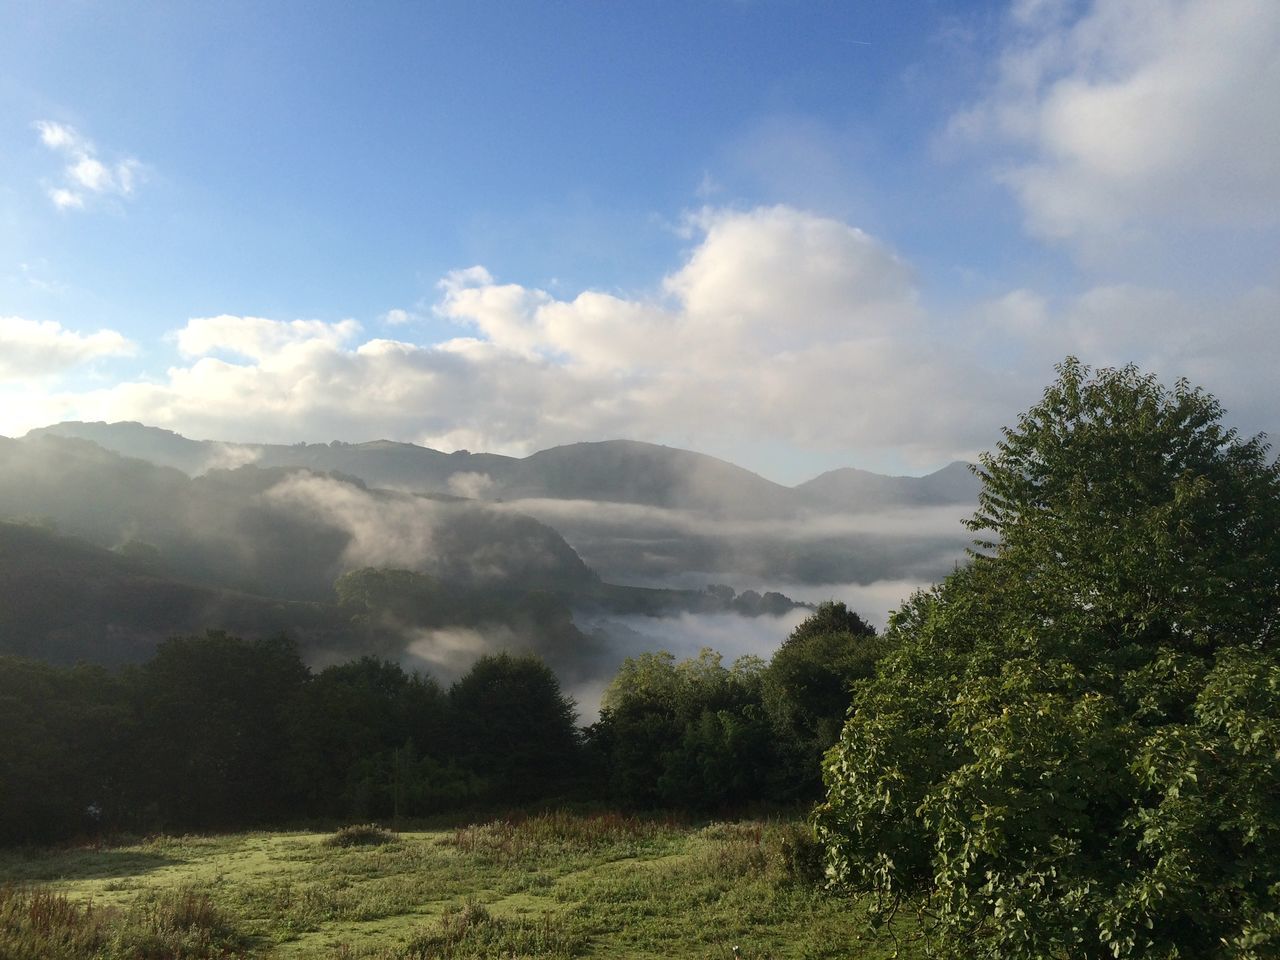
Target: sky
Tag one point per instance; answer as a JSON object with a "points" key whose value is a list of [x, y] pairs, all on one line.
{"points": [[797, 235]]}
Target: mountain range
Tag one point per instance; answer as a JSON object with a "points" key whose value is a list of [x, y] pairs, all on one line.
{"points": [[611, 471], [114, 536]]}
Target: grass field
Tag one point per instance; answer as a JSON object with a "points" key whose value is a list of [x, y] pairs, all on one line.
{"points": [[553, 885]]}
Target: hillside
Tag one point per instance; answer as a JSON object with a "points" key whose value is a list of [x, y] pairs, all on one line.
{"points": [[275, 531], [837, 489], [65, 600]]}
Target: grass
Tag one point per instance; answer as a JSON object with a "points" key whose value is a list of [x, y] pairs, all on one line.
{"points": [[553, 885]]}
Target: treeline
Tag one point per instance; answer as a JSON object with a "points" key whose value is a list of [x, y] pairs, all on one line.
{"points": [[216, 732]]}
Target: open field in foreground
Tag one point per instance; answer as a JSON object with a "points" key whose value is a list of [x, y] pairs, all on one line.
{"points": [[554, 885]]}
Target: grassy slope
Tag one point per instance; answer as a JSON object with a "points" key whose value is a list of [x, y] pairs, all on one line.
{"points": [[552, 886]]}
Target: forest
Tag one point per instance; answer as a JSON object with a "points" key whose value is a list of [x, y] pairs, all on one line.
{"points": [[215, 732]]}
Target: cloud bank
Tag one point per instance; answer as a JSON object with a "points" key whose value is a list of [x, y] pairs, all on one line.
{"points": [[779, 323], [30, 348]]}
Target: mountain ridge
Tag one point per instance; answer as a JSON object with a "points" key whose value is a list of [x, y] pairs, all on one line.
{"points": [[617, 471]]}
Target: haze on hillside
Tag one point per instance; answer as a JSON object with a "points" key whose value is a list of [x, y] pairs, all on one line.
{"points": [[584, 554]]}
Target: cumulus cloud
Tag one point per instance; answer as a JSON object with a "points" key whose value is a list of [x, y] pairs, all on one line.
{"points": [[1135, 114], [260, 339], [31, 348], [778, 324], [84, 174], [780, 328]]}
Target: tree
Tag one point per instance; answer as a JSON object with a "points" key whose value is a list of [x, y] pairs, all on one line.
{"points": [[691, 733], [213, 714], [1072, 748], [513, 726], [806, 690], [65, 757], [351, 723]]}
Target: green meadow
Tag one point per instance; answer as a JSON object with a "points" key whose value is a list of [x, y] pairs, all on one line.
{"points": [[551, 885]]}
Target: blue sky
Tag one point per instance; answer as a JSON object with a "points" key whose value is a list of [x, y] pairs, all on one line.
{"points": [[797, 235]]}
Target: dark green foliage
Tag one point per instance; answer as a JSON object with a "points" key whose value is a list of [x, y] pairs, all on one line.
{"points": [[403, 595], [1072, 747], [511, 724], [806, 690], [355, 727], [220, 732], [213, 720], [690, 734], [65, 749]]}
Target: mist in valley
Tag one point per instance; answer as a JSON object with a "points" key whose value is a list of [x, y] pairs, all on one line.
{"points": [[263, 540]]}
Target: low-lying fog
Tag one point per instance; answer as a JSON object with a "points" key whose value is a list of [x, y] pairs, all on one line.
{"points": [[656, 546]]}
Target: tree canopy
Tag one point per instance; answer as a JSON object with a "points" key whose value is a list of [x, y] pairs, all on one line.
{"points": [[806, 690], [1072, 746]]}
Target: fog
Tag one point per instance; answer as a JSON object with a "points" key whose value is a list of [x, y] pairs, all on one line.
{"points": [[507, 575], [383, 531]]}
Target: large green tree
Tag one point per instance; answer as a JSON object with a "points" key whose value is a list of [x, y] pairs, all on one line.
{"points": [[806, 691], [690, 734], [1072, 748], [511, 724], [214, 729]]}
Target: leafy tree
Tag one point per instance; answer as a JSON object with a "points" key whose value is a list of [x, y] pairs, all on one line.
{"points": [[513, 726], [691, 734], [372, 595], [1072, 748], [214, 718], [351, 723], [65, 755], [806, 690]]}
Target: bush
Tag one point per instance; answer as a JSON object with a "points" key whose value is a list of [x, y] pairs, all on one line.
{"points": [[360, 835], [38, 924]]}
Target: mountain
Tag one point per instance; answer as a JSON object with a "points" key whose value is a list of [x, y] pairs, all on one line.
{"points": [[611, 471], [634, 512], [287, 532], [838, 489], [104, 555]]}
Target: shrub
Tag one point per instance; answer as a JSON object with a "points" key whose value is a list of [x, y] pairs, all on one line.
{"points": [[360, 835]]}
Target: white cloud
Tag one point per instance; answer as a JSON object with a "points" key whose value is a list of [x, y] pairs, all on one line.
{"points": [[31, 348], [258, 338], [1137, 114], [65, 199], [57, 136], [1230, 346], [84, 174], [781, 329], [779, 325]]}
